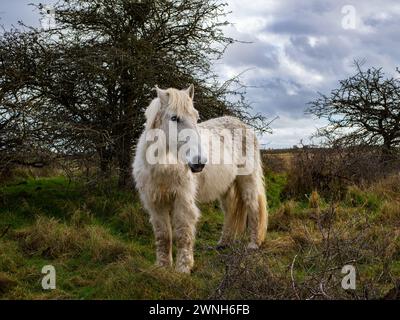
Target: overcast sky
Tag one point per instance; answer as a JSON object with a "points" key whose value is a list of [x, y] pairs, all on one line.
{"points": [[297, 49]]}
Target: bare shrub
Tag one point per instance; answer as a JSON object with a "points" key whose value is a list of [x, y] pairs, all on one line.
{"points": [[276, 161], [312, 269], [331, 170]]}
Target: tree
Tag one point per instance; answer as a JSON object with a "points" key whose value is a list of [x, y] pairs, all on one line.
{"points": [[93, 72], [22, 134], [364, 110]]}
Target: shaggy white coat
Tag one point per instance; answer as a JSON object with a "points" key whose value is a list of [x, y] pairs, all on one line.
{"points": [[169, 192]]}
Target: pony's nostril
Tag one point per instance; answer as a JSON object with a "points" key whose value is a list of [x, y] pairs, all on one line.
{"points": [[196, 167], [197, 163]]}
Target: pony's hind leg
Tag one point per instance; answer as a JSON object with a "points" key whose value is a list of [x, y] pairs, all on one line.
{"points": [[184, 217], [160, 219], [253, 196]]}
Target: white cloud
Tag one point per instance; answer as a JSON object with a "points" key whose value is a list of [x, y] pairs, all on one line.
{"points": [[289, 131], [300, 48]]}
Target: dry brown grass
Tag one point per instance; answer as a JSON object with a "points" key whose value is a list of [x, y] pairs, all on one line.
{"points": [[49, 237], [152, 281], [81, 217], [314, 200], [390, 212], [389, 187], [280, 220], [308, 264], [6, 283], [284, 243]]}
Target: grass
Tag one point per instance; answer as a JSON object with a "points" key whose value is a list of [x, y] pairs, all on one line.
{"points": [[275, 185], [101, 244]]}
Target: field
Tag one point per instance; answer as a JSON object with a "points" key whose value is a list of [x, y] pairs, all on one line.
{"points": [[101, 244]]}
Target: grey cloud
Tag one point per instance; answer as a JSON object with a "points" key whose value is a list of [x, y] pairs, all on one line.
{"points": [[298, 48], [292, 27], [310, 38], [251, 54]]}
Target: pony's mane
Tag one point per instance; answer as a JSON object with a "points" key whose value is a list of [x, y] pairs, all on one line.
{"points": [[179, 103]]}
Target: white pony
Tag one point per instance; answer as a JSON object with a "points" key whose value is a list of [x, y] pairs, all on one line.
{"points": [[170, 181]]}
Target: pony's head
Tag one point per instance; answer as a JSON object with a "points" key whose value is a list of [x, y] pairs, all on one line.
{"points": [[173, 113]]}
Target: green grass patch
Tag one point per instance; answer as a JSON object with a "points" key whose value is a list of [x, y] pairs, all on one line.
{"points": [[275, 185], [101, 243]]}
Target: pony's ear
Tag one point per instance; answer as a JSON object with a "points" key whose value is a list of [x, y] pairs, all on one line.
{"points": [[163, 95], [190, 91]]}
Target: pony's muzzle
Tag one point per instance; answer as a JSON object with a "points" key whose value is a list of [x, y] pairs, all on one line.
{"points": [[197, 164]]}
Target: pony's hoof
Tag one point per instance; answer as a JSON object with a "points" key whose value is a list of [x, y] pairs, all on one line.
{"points": [[183, 269], [163, 264], [252, 246], [221, 246]]}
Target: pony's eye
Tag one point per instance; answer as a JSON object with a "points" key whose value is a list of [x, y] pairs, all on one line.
{"points": [[175, 118]]}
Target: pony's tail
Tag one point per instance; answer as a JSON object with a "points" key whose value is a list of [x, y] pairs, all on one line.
{"points": [[237, 210], [262, 213]]}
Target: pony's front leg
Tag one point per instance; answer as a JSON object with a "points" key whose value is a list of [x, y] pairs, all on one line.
{"points": [[160, 219], [184, 217]]}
